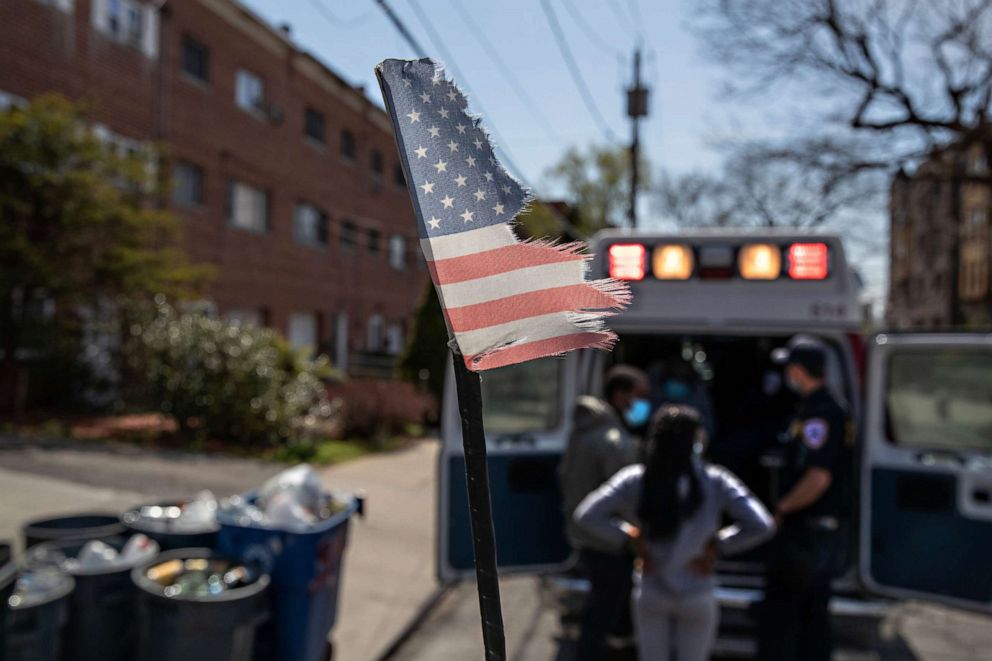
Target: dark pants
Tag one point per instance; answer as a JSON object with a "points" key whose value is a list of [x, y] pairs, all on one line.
{"points": [[794, 619], [607, 609]]}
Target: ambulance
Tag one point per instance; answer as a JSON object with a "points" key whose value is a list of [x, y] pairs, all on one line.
{"points": [[715, 305]]}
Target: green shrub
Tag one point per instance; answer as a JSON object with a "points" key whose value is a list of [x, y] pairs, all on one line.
{"points": [[228, 381]]}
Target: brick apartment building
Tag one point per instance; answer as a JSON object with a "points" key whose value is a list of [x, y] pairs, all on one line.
{"points": [[286, 177], [941, 244]]}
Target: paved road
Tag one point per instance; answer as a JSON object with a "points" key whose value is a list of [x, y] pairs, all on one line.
{"points": [[533, 631], [389, 562]]}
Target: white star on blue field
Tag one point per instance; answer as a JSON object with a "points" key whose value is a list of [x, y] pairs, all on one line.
{"points": [[451, 167]]}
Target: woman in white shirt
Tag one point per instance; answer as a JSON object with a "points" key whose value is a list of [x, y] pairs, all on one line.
{"points": [[670, 509]]}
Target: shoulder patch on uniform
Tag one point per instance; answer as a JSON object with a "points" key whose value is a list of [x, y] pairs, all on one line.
{"points": [[815, 432]]}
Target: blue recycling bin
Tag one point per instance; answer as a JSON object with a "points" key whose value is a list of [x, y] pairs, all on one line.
{"points": [[305, 568]]}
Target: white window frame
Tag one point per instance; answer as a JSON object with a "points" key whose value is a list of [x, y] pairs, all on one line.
{"points": [[306, 225], [374, 335], [397, 252], [247, 207], [248, 317], [303, 331], [181, 169], [249, 92], [394, 338], [8, 101], [117, 20]]}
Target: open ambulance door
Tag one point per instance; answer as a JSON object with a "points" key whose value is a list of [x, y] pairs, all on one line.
{"points": [[926, 479], [527, 411]]}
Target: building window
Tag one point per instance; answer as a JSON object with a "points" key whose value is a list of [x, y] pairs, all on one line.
{"points": [[188, 190], [252, 317], [373, 244], [302, 331], [196, 59], [348, 234], [313, 125], [247, 207], [8, 101], [310, 225], [397, 252], [394, 338], [249, 92], [348, 145], [61, 5], [377, 169], [399, 179], [374, 335], [128, 22]]}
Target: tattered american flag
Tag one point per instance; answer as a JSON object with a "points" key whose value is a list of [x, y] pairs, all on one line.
{"points": [[504, 300]]}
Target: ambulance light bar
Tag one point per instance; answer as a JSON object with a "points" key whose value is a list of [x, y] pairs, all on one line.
{"points": [[754, 261]]}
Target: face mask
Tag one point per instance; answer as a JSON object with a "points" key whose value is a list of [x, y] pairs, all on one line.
{"points": [[637, 413], [676, 389]]}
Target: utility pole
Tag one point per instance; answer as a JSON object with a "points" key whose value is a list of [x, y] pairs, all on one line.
{"points": [[637, 107]]}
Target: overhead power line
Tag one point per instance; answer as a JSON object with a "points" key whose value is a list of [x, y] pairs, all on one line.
{"points": [[589, 31], [562, 222], [508, 73], [623, 19], [401, 28], [449, 63], [336, 20], [573, 69]]}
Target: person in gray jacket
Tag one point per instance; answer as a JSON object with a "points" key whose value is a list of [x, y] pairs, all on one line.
{"points": [[670, 509], [602, 443]]}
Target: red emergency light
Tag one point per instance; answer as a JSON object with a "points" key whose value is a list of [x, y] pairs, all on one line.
{"points": [[627, 261], [809, 261]]}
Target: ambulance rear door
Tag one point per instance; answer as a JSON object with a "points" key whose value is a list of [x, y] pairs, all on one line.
{"points": [[527, 415], [926, 496]]}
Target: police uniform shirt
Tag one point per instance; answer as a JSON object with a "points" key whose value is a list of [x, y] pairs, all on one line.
{"points": [[819, 435]]}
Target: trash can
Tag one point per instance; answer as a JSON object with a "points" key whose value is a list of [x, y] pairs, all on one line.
{"points": [[37, 618], [305, 567], [169, 532], [73, 528], [8, 574], [188, 627], [102, 625]]}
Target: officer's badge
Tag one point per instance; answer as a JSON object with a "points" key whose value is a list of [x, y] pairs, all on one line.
{"points": [[815, 433]]}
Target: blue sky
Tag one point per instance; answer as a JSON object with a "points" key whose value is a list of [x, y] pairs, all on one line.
{"points": [[353, 36], [688, 112]]}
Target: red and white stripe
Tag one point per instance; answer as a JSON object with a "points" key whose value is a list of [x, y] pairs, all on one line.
{"points": [[507, 301]]}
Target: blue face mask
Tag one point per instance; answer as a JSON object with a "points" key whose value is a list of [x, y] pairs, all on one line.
{"points": [[676, 389], [638, 413]]}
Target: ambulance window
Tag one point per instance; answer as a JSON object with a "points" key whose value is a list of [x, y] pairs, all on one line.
{"points": [[523, 398], [941, 400]]}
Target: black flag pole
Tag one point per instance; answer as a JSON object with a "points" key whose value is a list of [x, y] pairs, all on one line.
{"points": [[469, 387]]}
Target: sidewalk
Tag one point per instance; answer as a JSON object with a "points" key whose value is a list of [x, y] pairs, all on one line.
{"points": [[389, 565]]}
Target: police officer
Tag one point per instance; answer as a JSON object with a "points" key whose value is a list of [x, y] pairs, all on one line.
{"points": [[794, 620]]}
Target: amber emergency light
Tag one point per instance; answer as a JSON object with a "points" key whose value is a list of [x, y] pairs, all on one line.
{"points": [[760, 261], [672, 262]]}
